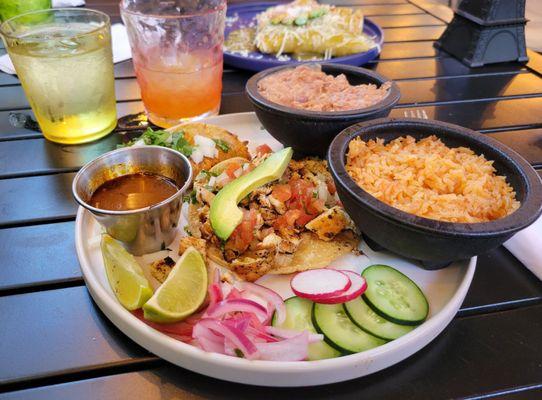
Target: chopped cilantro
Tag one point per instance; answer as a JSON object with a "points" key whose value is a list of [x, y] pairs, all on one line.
{"points": [[222, 145], [315, 194], [165, 139], [182, 145], [239, 353], [203, 174], [190, 198], [187, 230], [153, 138]]}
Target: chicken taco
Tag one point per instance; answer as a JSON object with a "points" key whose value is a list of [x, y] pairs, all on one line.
{"points": [[293, 223], [205, 145]]}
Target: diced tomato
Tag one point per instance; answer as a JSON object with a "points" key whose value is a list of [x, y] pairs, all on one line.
{"points": [[331, 187], [287, 220], [263, 149], [316, 206], [230, 170], [302, 194], [282, 192], [304, 218], [243, 235]]}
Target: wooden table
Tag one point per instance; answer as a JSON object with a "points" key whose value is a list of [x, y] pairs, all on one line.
{"points": [[56, 344]]}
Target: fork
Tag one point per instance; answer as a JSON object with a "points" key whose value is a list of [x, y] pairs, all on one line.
{"points": [[416, 114]]}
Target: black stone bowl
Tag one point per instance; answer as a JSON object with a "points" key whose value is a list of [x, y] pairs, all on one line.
{"points": [[433, 242], [311, 132]]}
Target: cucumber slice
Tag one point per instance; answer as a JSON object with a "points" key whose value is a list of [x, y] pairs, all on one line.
{"points": [[363, 316], [298, 317], [339, 331], [394, 296]]}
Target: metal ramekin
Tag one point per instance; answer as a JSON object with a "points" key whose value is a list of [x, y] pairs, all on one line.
{"points": [[144, 230]]}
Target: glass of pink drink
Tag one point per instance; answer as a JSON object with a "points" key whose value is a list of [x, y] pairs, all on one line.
{"points": [[177, 55]]}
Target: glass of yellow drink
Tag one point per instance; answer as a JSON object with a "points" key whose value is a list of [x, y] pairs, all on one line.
{"points": [[64, 61], [177, 54]]}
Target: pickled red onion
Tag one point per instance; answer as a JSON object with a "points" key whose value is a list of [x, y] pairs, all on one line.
{"points": [[236, 305], [238, 338], [269, 296]]}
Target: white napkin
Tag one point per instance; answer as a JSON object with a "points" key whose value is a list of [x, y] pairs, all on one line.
{"points": [[119, 38], [526, 246], [68, 3]]}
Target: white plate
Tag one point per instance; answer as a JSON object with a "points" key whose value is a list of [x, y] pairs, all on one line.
{"points": [[445, 290]]}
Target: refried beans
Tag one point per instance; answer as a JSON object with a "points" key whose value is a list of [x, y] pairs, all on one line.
{"points": [[308, 88]]}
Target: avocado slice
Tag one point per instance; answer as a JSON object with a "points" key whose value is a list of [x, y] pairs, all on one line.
{"points": [[224, 213]]}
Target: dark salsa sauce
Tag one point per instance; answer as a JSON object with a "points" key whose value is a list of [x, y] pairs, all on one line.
{"points": [[133, 191]]}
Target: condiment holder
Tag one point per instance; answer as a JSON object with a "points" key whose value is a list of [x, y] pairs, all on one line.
{"points": [[143, 230]]}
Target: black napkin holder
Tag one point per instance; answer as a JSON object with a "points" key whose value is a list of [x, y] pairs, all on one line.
{"points": [[486, 32], [493, 12]]}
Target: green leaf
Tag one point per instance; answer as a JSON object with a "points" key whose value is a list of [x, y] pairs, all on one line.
{"points": [[190, 198], [203, 173], [182, 145], [222, 145], [151, 138]]}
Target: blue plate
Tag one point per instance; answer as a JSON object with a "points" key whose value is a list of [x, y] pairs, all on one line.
{"points": [[242, 15]]}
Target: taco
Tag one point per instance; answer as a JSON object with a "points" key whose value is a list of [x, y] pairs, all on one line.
{"points": [[205, 145], [292, 224], [226, 145]]}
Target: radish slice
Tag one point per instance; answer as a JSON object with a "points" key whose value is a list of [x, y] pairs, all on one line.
{"points": [[320, 284], [359, 285]]}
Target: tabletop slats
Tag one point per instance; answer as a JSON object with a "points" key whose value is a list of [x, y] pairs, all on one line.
{"points": [[56, 331], [36, 199], [486, 115], [518, 113], [38, 255], [356, 3], [490, 82], [506, 338], [413, 34], [528, 143], [399, 21], [49, 158], [52, 263], [166, 382], [469, 88], [394, 51]]}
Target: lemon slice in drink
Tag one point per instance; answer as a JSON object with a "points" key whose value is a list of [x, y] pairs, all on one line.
{"points": [[182, 293], [124, 274]]}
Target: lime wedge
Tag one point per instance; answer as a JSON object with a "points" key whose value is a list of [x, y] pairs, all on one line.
{"points": [[182, 293], [124, 274]]}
